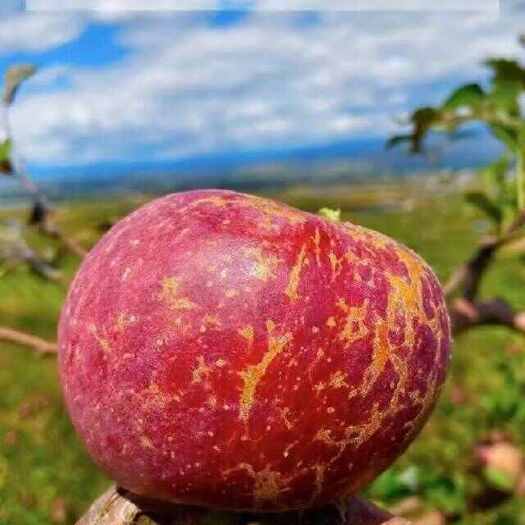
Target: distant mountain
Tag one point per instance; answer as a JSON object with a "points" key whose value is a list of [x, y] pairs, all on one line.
{"points": [[328, 163]]}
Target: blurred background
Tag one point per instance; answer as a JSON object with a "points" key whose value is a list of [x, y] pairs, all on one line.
{"points": [[411, 123]]}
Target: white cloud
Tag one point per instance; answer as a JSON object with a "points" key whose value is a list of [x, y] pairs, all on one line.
{"points": [[120, 5], [381, 5], [264, 5], [31, 32], [269, 81]]}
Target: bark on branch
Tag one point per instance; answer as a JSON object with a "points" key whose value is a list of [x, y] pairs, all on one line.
{"points": [[40, 345], [465, 314], [69, 243], [467, 311], [118, 507], [469, 275]]}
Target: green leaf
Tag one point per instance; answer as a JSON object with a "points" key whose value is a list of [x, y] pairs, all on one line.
{"points": [[506, 70], [330, 214], [483, 203], [389, 487], [424, 117], [469, 95], [498, 479], [396, 140], [508, 82], [14, 77], [422, 120], [5, 149], [504, 97], [505, 134], [494, 176], [500, 186], [446, 496], [6, 167]]}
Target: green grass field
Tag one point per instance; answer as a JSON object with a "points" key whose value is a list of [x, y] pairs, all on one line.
{"points": [[45, 476]]}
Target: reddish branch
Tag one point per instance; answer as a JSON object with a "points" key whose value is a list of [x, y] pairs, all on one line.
{"points": [[467, 314], [40, 345], [466, 310], [470, 274]]}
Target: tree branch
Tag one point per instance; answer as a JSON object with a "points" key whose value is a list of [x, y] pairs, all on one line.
{"points": [[465, 314], [118, 507], [69, 243], [40, 345], [466, 311], [39, 198], [469, 275]]}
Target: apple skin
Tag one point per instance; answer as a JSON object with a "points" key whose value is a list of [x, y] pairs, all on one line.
{"points": [[224, 350]]}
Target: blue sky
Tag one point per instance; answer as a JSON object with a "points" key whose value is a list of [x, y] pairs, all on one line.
{"points": [[117, 87]]}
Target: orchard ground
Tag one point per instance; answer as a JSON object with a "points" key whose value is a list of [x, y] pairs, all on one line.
{"points": [[46, 477]]}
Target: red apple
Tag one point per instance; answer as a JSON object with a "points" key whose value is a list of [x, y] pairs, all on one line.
{"points": [[225, 350]]}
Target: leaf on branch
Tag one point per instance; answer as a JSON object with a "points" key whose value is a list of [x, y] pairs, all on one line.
{"points": [[422, 120], [494, 177], [500, 188], [507, 135], [6, 167], [469, 95], [5, 149], [508, 83], [397, 140], [505, 97], [14, 77], [506, 70], [330, 214], [484, 204], [498, 479]]}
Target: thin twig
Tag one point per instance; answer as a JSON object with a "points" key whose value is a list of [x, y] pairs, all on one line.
{"points": [[516, 224], [466, 311], [38, 196], [469, 275], [40, 345], [71, 244]]}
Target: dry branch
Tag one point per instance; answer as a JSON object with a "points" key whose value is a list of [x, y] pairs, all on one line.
{"points": [[467, 311], [118, 507], [69, 243], [465, 314], [470, 274], [40, 345]]}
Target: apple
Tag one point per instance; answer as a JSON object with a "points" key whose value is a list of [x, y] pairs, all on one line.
{"points": [[224, 350]]}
